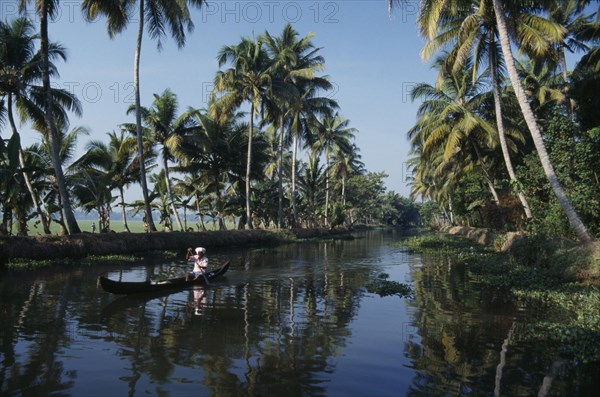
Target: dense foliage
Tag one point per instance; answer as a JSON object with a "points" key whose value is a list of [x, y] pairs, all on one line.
{"points": [[489, 158], [576, 157], [502, 142], [291, 161]]}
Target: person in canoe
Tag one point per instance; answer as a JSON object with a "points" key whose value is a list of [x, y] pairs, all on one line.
{"points": [[200, 263]]}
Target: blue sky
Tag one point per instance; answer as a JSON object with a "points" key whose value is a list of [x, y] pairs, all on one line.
{"points": [[371, 57]]}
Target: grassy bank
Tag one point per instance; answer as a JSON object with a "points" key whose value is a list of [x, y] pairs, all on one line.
{"points": [[558, 280], [37, 250]]}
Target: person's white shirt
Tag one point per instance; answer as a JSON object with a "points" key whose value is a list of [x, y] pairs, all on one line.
{"points": [[200, 263]]}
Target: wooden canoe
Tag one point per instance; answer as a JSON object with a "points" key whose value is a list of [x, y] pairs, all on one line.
{"points": [[137, 287]]}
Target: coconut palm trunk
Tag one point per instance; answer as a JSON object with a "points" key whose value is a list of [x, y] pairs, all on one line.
{"points": [[123, 212], [61, 218], [327, 187], [249, 168], [34, 198], [574, 220], [219, 202], [294, 154], [501, 134], [488, 178], [138, 119], [451, 210], [569, 102], [280, 174], [199, 211], [344, 189], [53, 137], [170, 193]]}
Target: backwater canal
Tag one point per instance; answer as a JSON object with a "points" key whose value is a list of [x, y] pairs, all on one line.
{"points": [[292, 320]]}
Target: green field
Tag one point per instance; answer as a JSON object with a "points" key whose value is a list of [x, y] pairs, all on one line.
{"points": [[135, 226], [86, 226]]}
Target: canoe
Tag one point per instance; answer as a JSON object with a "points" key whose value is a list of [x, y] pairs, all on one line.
{"points": [[136, 287]]}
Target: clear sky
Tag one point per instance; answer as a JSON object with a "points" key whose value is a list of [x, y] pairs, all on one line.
{"points": [[372, 59]]}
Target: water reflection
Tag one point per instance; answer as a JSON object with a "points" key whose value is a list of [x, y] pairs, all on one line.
{"points": [[457, 351], [469, 340], [199, 301], [293, 320]]}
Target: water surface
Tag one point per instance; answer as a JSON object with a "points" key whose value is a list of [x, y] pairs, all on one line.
{"points": [[290, 320]]}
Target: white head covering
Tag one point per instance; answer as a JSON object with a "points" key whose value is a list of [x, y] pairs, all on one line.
{"points": [[200, 250]]}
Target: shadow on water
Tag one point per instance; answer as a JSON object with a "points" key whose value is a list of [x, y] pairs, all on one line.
{"points": [[291, 320]]}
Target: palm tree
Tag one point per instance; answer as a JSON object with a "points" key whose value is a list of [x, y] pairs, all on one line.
{"points": [[311, 182], [91, 186], [157, 15], [568, 13], [209, 150], [580, 229], [162, 204], [543, 87], [68, 142], [448, 120], [2, 118], [332, 134], [435, 178], [344, 165], [500, 125], [19, 78], [271, 172], [591, 59], [303, 112], [14, 202], [117, 161], [19, 65], [167, 129], [527, 40], [247, 79], [294, 60], [471, 30], [48, 9], [190, 188]]}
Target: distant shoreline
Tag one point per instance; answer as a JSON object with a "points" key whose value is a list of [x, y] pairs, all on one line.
{"points": [[135, 226], [50, 247]]}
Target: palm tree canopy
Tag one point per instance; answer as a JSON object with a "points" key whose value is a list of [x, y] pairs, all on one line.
{"points": [[163, 123], [21, 74], [333, 133], [160, 17], [248, 78]]}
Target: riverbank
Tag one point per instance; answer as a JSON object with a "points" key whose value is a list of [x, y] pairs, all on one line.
{"points": [[574, 261], [82, 245], [559, 281]]}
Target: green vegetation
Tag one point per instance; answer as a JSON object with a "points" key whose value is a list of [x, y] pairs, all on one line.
{"points": [[439, 243], [504, 143], [556, 282], [240, 170], [499, 142], [23, 264], [383, 287]]}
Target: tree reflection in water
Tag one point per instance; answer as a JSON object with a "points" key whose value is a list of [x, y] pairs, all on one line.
{"points": [[292, 320]]}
